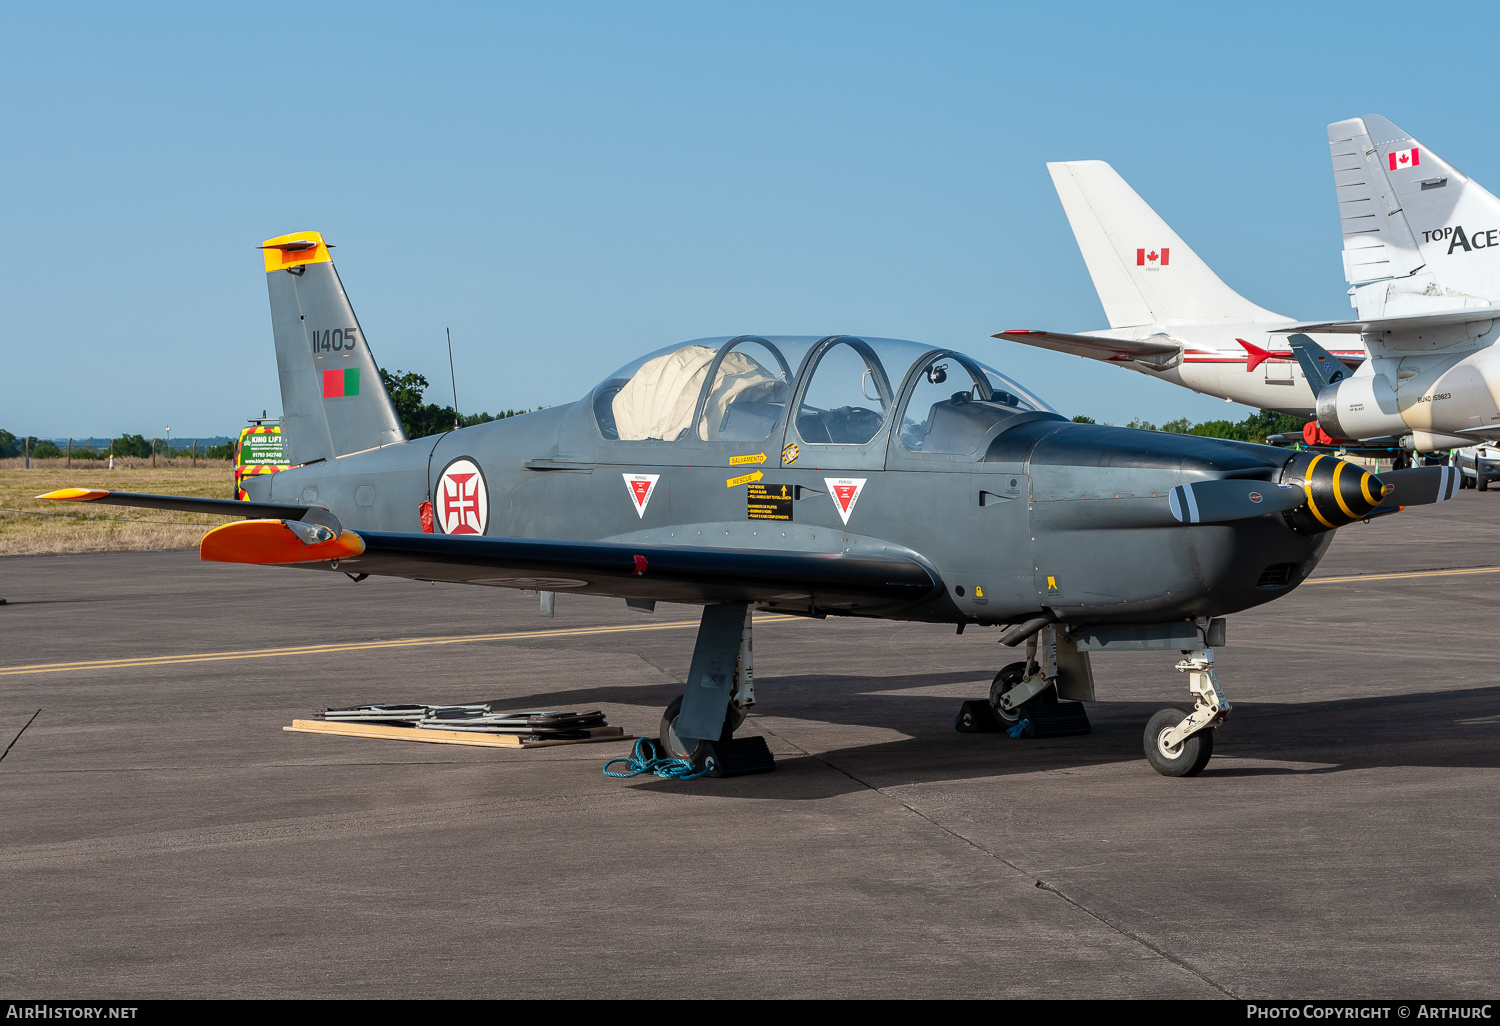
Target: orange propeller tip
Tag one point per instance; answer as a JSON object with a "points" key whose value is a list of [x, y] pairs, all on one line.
{"points": [[75, 495]]}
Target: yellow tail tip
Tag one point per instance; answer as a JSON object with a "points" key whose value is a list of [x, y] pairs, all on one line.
{"points": [[294, 250], [74, 495]]}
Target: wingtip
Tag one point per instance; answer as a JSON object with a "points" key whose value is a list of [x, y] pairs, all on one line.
{"points": [[74, 495], [274, 543]]}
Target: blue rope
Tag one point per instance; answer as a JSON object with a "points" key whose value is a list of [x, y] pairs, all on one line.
{"points": [[1019, 728], [643, 759]]}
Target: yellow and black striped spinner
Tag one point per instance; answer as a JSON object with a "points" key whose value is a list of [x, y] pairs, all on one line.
{"points": [[1337, 492]]}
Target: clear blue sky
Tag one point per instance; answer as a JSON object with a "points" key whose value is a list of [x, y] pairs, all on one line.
{"points": [[567, 185]]}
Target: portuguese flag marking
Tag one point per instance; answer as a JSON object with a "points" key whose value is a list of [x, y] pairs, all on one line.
{"points": [[339, 383]]}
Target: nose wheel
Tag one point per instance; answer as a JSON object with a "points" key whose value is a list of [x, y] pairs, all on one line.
{"points": [[1179, 744], [1186, 758]]}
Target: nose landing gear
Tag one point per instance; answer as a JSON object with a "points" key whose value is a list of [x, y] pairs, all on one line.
{"points": [[1180, 744]]}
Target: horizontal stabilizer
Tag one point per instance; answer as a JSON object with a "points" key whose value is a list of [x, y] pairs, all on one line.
{"points": [[1415, 322], [1110, 349], [1215, 502], [673, 574], [182, 503]]}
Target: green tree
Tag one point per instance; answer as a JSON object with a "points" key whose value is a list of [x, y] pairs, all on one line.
{"points": [[420, 419], [10, 445], [1081, 419], [46, 450], [1180, 426], [131, 445]]}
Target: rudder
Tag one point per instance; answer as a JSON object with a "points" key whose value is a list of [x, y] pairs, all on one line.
{"points": [[332, 400]]}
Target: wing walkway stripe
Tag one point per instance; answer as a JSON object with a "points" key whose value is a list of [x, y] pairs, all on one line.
{"points": [[355, 646]]}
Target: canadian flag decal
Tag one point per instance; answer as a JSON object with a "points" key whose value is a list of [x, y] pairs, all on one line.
{"points": [[1152, 259], [1405, 158], [845, 492], [641, 486]]}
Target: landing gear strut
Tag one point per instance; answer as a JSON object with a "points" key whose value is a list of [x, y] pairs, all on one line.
{"points": [[1024, 697], [720, 687], [1180, 744]]}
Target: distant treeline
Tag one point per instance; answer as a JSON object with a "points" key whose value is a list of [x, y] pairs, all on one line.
{"points": [[1253, 428], [419, 419], [125, 445], [407, 390]]}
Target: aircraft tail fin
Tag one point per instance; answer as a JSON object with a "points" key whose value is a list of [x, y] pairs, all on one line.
{"points": [[1412, 222], [332, 400], [1143, 271], [1319, 366]]}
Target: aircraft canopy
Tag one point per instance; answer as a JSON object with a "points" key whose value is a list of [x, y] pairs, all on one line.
{"points": [[738, 389]]}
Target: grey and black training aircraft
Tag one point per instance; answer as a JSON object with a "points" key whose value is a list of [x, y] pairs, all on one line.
{"points": [[817, 476]]}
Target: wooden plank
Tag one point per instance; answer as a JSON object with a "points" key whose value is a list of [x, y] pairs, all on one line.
{"points": [[450, 737]]}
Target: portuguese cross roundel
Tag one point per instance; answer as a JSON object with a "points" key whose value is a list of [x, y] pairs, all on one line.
{"points": [[461, 503]]}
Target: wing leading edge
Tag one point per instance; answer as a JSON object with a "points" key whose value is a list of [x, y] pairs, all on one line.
{"points": [[1115, 350], [790, 580]]}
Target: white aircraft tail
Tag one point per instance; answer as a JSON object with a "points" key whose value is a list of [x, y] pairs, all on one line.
{"points": [[1143, 271], [1419, 236]]}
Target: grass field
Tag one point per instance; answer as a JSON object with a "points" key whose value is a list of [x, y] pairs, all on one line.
{"points": [[86, 527]]}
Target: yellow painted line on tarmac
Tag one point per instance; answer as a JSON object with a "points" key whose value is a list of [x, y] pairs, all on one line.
{"points": [[1413, 573], [355, 646]]}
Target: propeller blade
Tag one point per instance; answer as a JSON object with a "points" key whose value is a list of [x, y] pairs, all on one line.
{"points": [[1214, 502], [1419, 486]]}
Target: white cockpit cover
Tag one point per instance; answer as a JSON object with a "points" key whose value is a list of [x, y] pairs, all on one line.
{"points": [[658, 400]]}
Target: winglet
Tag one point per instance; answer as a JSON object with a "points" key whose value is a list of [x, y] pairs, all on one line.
{"points": [[277, 542], [74, 495], [294, 250]]}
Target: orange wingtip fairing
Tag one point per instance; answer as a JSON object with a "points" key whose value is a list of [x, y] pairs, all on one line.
{"points": [[74, 495], [294, 250], [271, 543]]}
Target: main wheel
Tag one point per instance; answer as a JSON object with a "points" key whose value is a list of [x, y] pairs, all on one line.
{"points": [[1009, 677], [675, 748], [1186, 759]]}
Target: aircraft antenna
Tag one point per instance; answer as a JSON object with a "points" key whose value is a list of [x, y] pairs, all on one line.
{"points": [[453, 377]]}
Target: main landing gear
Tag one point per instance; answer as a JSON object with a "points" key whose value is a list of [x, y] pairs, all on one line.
{"points": [[699, 725], [1024, 696], [1180, 744]]}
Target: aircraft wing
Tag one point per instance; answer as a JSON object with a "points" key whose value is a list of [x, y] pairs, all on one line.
{"points": [[183, 503], [1110, 349], [1414, 322], [678, 573]]}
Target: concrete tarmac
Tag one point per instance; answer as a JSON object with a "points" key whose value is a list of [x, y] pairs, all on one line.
{"points": [[161, 835]]}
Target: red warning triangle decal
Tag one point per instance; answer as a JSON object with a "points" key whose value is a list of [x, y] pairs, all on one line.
{"points": [[641, 486], [845, 492]]}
